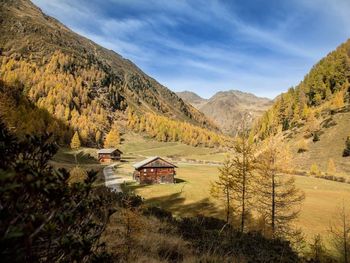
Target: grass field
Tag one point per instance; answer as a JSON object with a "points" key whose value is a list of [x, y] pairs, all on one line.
{"points": [[190, 195]]}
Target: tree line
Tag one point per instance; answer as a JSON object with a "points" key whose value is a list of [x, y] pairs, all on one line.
{"points": [[166, 130]]}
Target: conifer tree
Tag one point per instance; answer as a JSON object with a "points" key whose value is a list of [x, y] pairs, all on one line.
{"points": [[331, 169], [347, 147], [113, 138], [222, 189], [75, 142], [278, 199], [243, 163], [340, 231]]}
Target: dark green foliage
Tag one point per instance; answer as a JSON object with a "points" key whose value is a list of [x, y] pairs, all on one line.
{"points": [[42, 218], [346, 152], [211, 234], [315, 137]]}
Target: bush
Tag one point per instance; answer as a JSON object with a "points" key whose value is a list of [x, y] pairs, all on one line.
{"points": [[314, 170], [210, 234], [42, 216], [302, 146], [346, 152]]}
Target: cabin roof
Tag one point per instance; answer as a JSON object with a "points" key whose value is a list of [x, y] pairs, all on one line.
{"points": [[149, 160], [108, 150]]}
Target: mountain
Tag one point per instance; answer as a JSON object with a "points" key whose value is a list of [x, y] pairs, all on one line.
{"points": [[226, 108], [76, 80], [314, 117], [192, 98]]}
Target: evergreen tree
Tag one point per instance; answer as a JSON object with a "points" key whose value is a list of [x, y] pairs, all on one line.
{"points": [[347, 147]]}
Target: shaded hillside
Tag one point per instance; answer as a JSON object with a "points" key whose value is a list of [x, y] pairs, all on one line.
{"points": [[226, 108], [65, 73]]}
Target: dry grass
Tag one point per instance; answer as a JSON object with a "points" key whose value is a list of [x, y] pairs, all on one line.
{"points": [[191, 197]]}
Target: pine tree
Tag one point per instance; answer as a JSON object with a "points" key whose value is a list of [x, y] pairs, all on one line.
{"points": [[112, 139], [75, 142]]}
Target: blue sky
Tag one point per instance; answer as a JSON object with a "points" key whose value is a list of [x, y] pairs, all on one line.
{"points": [[205, 46]]}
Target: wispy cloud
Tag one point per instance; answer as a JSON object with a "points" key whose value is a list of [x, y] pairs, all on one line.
{"points": [[210, 45]]}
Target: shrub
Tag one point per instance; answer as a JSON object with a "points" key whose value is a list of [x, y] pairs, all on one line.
{"points": [[302, 146], [346, 152], [314, 170]]}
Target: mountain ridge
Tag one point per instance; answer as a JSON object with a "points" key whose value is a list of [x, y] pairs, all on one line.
{"points": [[77, 80], [227, 108]]}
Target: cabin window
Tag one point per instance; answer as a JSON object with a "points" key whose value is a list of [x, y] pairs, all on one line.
{"points": [[151, 170], [145, 170]]}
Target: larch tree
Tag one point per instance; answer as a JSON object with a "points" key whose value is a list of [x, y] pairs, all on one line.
{"points": [[340, 232], [113, 137], [277, 198], [75, 142], [222, 189], [331, 169], [243, 164]]}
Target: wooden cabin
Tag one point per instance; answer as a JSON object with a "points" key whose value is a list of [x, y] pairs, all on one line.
{"points": [[154, 170], [109, 155]]}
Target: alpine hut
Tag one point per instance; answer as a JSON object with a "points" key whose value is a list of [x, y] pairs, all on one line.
{"points": [[154, 170], [109, 155]]}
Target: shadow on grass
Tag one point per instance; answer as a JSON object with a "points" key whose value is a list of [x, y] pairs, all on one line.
{"points": [[178, 181], [85, 158], [176, 203]]}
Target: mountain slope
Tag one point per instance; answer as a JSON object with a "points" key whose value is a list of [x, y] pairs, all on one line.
{"points": [[314, 117], [226, 108], [42, 54], [192, 98]]}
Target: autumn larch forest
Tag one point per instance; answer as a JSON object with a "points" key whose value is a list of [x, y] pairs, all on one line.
{"points": [[226, 175]]}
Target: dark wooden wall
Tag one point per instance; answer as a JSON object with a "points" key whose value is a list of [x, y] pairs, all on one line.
{"points": [[154, 175]]}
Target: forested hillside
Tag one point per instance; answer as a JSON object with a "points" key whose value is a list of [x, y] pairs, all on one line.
{"points": [[325, 88], [75, 80], [314, 118]]}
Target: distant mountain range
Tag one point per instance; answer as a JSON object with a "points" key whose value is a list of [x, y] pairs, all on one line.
{"points": [[226, 108]]}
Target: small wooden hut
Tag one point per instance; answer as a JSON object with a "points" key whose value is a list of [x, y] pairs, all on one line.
{"points": [[109, 155], [154, 170]]}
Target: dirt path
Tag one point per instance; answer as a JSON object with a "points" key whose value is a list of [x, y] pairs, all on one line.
{"points": [[112, 180]]}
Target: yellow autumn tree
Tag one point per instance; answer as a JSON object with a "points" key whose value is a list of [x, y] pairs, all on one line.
{"points": [[331, 169], [113, 138], [75, 142]]}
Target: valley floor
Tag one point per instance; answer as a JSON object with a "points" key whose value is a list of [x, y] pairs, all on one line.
{"points": [[197, 168]]}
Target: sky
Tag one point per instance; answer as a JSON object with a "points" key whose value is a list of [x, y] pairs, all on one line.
{"points": [[206, 46]]}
